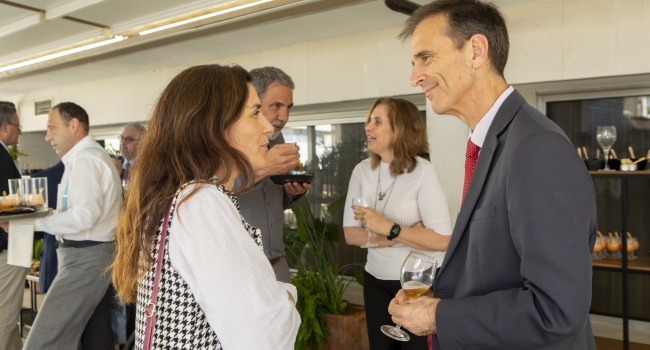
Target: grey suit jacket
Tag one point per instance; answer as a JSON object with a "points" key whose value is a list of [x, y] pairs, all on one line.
{"points": [[517, 273], [263, 207]]}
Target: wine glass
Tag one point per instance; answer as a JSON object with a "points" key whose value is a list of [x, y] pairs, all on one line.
{"points": [[418, 272], [125, 186], [606, 135], [364, 201]]}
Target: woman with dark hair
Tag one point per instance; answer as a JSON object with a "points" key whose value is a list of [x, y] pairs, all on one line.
{"points": [[407, 209], [212, 285]]}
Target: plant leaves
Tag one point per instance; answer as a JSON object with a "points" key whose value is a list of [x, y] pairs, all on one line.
{"points": [[334, 206]]}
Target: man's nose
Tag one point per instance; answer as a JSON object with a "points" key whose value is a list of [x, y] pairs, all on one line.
{"points": [[284, 115], [417, 76]]}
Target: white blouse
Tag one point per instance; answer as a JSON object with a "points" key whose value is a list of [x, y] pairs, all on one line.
{"points": [[416, 196], [229, 275]]}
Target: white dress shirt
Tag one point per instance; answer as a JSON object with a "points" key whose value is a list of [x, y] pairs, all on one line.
{"points": [[94, 194], [229, 275], [416, 196], [480, 131], [5, 146]]}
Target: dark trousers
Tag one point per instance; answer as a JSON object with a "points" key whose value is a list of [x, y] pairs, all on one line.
{"points": [[97, 334], [377, 294]]}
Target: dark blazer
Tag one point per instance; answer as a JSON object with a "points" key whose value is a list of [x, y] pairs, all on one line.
{"points": [[8, 171], [517, 273], [49, 263]]}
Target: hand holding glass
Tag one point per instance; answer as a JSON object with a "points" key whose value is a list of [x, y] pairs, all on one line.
{"points": [[363, 202], [418, 272], [606, 135]]}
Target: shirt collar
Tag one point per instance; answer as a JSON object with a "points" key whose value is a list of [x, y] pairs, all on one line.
{"points": [[124, 164], [72, 153], [5, 146], [478, 134]]}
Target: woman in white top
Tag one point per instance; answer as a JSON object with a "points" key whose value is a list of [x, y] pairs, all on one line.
{"points": [[217, 288], [405, 198]]}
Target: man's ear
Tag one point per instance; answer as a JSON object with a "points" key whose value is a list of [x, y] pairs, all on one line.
{"points": [[76, 124], [480, 47]]}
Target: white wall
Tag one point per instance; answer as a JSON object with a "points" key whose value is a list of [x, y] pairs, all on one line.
{"points": [[555, 40]]}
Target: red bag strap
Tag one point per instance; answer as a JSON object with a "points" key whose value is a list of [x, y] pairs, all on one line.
{"points": [[150, 309]]}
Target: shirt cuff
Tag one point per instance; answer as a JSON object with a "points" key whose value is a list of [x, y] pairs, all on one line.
{"points": [[38, 224], [291, 289]]}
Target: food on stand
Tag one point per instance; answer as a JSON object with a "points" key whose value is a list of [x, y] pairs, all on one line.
{"points": [[599, 247], [614, 246], [632, 246]]}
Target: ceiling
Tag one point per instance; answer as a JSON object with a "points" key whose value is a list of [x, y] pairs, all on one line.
{"points": [[297, 21]]}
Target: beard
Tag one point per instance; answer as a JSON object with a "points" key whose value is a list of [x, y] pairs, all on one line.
{"points": [[276, 123]]}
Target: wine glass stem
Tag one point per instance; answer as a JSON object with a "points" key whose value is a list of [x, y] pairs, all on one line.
{"points": [[398, 326], [606, 151]]}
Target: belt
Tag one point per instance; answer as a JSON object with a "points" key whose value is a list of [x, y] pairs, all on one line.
{"points": [[78, 244], [275, 260]]}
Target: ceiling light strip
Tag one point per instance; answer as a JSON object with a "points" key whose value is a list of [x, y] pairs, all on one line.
{"points": [[61, 54], [209, 15]]}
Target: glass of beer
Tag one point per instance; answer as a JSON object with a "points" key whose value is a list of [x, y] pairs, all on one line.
{"points": [[125, 187], [363, 202], [418, 272]]}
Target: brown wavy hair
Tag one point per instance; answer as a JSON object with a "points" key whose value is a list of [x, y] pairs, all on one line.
{"points": [[410, 139], [185, 141]]}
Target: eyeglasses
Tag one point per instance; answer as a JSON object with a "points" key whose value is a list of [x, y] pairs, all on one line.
{"points": [[20, 127], [126, 139]]}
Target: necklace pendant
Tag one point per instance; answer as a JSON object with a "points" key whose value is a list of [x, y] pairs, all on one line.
{"points": [[382, 195]]}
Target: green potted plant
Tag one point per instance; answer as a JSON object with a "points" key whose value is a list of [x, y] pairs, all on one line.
{"points": [[14, 153], [328, 321]]}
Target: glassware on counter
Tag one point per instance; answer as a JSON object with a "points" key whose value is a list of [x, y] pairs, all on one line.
{"points": [[606, 136], [600, 247], [614, 246], [632, 246]]}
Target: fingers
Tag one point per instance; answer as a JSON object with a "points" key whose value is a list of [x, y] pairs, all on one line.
{"points": [[296, 188], [286, 148]]}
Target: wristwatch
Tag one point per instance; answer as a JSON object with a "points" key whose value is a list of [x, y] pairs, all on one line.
{"points": [[394, 232]]}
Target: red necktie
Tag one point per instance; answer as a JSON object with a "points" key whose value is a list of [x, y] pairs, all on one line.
{"points": [[471, 155]]}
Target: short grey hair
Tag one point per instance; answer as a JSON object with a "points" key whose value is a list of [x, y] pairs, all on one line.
{"points": [[7, 112], [139, 128], [265, 76]]}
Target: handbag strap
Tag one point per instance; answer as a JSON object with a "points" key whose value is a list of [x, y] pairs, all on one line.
{"points": [[150, 309]]}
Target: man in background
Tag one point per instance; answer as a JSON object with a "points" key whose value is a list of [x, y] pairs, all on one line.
{"points": [[264, 205], [12, 278], [129, 142], [84, 224]]}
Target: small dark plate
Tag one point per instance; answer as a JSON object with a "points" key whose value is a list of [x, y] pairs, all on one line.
{"points": [[15, 211], [282, 178]]}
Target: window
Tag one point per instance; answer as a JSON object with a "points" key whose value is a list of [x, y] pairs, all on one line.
{"points": [[331, 151], [579, 116]]}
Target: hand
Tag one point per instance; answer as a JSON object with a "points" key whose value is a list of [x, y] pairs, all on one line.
{"points": [[291, 298], [416, 315], [295, 189], [418, 224], [281, 158], [4, 225], [373, 221]]}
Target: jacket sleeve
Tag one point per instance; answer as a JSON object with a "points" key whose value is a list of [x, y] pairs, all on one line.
{"points": [[552, 216]]}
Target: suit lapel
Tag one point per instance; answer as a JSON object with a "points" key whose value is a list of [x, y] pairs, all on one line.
{"points": [[504, 116]]}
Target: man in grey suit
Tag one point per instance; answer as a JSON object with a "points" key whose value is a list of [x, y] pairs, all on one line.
{"points": [[517, 273], [263, 206]]}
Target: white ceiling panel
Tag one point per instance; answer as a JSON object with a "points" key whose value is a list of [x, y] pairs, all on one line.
{"points": [[47, 35], [187, 48], [10, 14]]}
